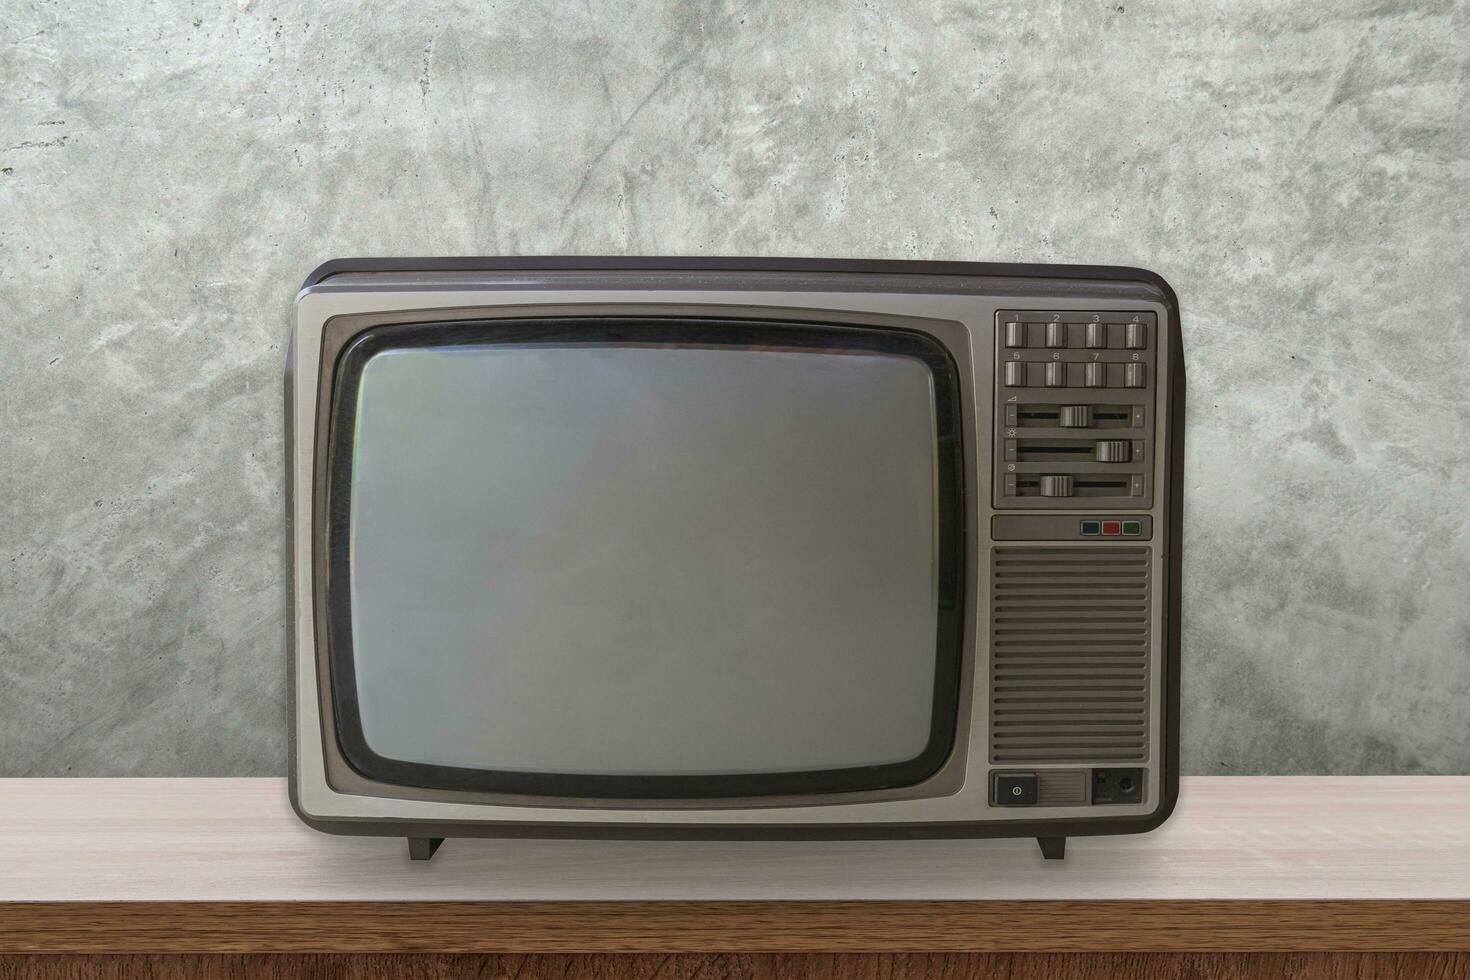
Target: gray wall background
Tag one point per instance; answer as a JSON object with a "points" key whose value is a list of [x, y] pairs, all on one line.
{"points": [[170, 172]]}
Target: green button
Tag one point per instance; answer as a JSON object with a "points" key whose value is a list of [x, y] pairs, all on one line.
{"points": [[1132, 527]]}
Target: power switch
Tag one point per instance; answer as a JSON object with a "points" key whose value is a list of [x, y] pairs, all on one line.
{"points": [[1015, 789]]}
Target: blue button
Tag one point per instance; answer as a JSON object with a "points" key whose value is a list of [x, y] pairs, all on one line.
{"points": [[1091, 527]]}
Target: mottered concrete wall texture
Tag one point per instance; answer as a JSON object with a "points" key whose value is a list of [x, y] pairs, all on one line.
{"points": [[170, 171]]}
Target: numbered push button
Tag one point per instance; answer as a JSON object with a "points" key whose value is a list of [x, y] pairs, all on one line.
{"points": [[1015, 334], [1135, 336], [1015, 374], [1056, 374], [1095, 375], [1056, 334], [1135, 375], [1097, 335]]}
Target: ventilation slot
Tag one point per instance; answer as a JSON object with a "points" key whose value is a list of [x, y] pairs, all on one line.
{"points": [[1069, 655]]}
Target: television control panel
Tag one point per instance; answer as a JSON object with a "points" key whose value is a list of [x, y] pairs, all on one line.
{"points": [[1074, 411]]}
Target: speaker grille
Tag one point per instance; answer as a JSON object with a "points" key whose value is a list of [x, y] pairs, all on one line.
{"points": [[1069, 654]]}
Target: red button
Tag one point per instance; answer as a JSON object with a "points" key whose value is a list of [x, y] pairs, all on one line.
{"points": [[1112, 527]]}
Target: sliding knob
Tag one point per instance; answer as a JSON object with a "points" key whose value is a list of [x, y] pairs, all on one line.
{"points": [[1113, 451], [1056, 486], [1074, 416]]}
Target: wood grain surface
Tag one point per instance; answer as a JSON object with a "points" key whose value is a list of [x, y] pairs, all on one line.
{"points": [[681, 927], [1239, 837], [799, 966]]}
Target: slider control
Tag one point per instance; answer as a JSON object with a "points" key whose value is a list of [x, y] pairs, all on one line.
{"points": [[1056, 486], [1074, 416], [1114, 451]]}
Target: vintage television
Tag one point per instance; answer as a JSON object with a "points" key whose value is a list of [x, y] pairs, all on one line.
{"points": [[734, 548]]}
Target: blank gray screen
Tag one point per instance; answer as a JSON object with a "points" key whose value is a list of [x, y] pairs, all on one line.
{"points": [[644, 560]]}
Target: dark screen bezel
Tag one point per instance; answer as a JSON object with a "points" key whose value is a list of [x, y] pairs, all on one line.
{"points": [[681, 331]]}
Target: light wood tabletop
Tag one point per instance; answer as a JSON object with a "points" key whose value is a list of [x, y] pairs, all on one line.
{"points": [[1390, 837], [1376, 866]]}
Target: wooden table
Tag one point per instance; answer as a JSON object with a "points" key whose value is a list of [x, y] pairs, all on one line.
{"points": [[1312, 876]]}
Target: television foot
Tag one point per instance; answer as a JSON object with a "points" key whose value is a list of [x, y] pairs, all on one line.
{"points": [[423, 848], [1053, 848]]}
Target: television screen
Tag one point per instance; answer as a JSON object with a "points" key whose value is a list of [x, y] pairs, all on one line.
{"points": [[659, 558]]}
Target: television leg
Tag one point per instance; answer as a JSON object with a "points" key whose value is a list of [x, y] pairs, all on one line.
{"points": [[1053, 848], [423, 848]]}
